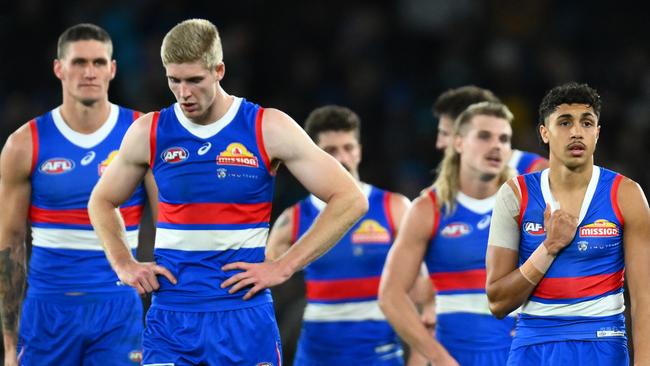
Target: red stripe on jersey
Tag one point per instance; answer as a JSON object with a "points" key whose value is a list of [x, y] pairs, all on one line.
{"points": [[577, 287], [34, 129], [614, 198], [214, 213], [323, 290], [295, 222], [260, 140], [131, 215], [465, 280], [436, 213], [524, 198], [136, 115], [152, 139], [389, 214]]}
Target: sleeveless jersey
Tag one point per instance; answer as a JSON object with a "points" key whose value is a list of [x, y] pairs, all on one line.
{"points": [[215, 190], [342, 311], [523, 161], [456, 262], [67, 255], [581, 295]]}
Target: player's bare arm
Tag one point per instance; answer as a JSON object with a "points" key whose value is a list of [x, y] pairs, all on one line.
{"points": [[324, 177], [636, 216], [15, 192], [400, 272], [116, 185], [508, 285], [280, 239]]}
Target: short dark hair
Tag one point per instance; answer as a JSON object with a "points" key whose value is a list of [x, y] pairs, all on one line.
{"points": [[569, 93], [454, 101], [332, 118], [83, 32]]}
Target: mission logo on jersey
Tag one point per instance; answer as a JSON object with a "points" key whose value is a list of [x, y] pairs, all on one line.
{"points": [[534, 228], [370, 231], [57, 166], [175, 155], [104, 164], [456, 230], [600, 229], [237, 154]]}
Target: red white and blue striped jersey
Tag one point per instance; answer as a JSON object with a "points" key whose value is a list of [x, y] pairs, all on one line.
{"points": [[67, 255], [215, 189], [523, 161], [342, 311], [581, 295], [456, 262]]}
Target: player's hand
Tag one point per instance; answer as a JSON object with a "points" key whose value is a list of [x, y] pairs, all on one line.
{"points": [[428, 316], [142, 276], [258, 275], [560, 229]]}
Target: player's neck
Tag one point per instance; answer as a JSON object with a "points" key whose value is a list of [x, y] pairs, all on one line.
{"points": [[563, 178], [83, 118], [473, 186], [219, 108]]}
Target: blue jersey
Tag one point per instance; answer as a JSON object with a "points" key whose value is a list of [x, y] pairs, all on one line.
{"points": [[581, 295], [67, 255], [456, 262], [342, 317], [523, 161], [215, 190]]}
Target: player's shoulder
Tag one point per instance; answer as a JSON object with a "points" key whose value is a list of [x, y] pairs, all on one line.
{"points": [[20, 141]]}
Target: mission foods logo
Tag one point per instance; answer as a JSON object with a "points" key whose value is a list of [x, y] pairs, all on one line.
{"points": [[456, 230], [370, 231], [237, 154], [175, 155], [534, 228], [57, 166], [104, 164], [599, 229]]}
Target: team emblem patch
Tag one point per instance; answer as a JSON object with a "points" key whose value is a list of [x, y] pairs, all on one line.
{"points": [[104, 164], [175, 155], [57, 166], [135, 356], [456, 230], [534, 228], [237, 154], [583, 246], [599, 229], [370, 231]]}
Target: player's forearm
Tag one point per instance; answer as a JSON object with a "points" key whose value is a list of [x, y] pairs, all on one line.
{"points": [[641, 329], [109, 226], [341, 212], [508, 293], [12, 288]]}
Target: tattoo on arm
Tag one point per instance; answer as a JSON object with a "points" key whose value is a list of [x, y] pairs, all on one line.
{"points": [[12, 287]]}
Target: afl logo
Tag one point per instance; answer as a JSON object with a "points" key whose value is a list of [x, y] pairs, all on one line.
{"points": [[456, 230], [57, 166], [175, 155], [534, 228]]}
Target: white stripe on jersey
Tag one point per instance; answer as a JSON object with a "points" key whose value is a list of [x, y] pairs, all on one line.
{"points": [[195, 240], [74, 239], [604, 306], [464, 303], [349, 311]]}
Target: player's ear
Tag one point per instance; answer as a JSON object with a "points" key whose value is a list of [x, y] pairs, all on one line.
{"points": [[543, 132], [57, 68]]}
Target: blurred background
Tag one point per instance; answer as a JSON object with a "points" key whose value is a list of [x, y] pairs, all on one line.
{"points": [[388, 61]]}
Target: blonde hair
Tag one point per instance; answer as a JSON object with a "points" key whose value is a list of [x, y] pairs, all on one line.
{"points": [[448, 180], [192, 40]]}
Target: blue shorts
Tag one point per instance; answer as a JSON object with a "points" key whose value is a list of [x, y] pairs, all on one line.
{"points": [[467, 357], [575, 353], [85, 330], [391, 356], [247, 336]]}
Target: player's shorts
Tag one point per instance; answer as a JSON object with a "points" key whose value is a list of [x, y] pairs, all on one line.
{"points": [[85, 330], [573, 353], [247, 336], [386, 355], [467, 357]]}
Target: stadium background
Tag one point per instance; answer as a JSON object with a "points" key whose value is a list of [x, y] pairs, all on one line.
{"points": [[386, 60]]}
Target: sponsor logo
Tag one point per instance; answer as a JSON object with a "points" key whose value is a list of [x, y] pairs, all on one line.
{"points": [[175, 155], [583, 246], [610, 333], [221, 173], [370, 231], [57, 166], [599, 229], [484, 223], [534, 228], [88, 158], [237, 154], [264, 364], [135, 356], [104, 164], [204, 149], [456, 230]]}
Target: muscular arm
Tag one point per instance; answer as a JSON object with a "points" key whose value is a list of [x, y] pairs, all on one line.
{"points": [[15, 192], [280, 236], [401, 269], [636, 216], [116, 185]]}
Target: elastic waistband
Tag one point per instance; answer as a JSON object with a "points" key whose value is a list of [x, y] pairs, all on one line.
{"points": [[78, 298], [201, 304]]}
